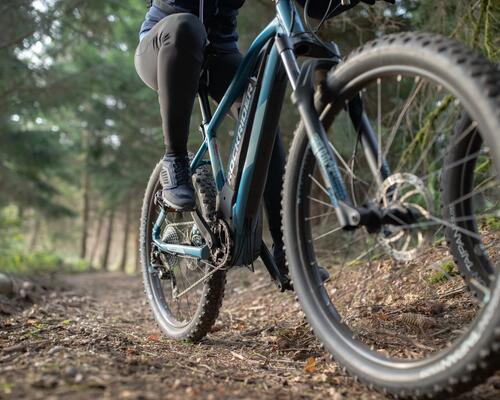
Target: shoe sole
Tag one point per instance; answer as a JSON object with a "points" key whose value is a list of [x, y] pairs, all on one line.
{"points": [[176, 208]]}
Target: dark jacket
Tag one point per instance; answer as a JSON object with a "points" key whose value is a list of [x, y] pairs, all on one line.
{"points": [[219, 17]]}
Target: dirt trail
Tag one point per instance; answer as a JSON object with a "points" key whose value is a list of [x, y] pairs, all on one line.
{"points": [[97, 339]]}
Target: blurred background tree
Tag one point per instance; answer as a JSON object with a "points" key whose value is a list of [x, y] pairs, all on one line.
{"points": [[80, 133]]}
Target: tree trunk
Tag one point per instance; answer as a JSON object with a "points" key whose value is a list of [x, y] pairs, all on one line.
{"points": [[109, 237], [6, 285], [137, 259], [137, 252], [86, 198], [97, 240], [35, 233], [128, 220], [20, 212]]}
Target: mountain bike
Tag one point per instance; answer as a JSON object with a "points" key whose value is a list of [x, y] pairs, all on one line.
{"points": [[390, 185]]}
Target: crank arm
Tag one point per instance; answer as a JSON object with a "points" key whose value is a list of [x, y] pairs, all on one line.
{"points": [[205, 230]]}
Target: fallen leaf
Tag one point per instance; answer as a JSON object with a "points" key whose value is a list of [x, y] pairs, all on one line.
{"points": [[383, 317], [310, 365], [153, 338]]}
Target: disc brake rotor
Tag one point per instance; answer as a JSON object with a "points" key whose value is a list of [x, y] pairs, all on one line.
{"points": [[405, 242]]}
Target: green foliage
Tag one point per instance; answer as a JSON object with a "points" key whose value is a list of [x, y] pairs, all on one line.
{"points": [[493, 223], [10, 238], [15, 256], [39, 261], [73, 110], [445, 271]]}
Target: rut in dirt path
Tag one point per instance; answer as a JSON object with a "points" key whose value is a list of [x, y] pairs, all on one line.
{"points": [[98, 340]]}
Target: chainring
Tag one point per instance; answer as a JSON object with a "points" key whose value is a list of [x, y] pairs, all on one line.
{"points": [[221, 253]]}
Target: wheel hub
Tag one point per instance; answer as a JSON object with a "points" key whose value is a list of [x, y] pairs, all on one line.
{"points": [[401, 204]]}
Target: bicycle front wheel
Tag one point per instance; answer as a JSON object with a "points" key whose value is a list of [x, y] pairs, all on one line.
{"points": [[397, 313]]}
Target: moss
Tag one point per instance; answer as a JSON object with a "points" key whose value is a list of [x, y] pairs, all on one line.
{"points": [[483, 166], [6, 387], [446, 270], [424, 135], [493, 223]]}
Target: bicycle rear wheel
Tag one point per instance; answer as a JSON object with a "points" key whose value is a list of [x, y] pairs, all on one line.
{"points": [[396, 312], [182, 309]]}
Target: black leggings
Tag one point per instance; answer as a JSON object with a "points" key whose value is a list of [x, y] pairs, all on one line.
{"points": [[169, 60]]}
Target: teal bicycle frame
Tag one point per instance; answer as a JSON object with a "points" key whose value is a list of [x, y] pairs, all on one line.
{"points": [[282, 59]]}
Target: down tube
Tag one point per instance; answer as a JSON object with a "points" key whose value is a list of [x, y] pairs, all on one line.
{"points": [[261, 143], [234, 91]]}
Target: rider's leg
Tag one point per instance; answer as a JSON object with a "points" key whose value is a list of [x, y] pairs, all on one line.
{"points": [[169, 60], [222, 66]]}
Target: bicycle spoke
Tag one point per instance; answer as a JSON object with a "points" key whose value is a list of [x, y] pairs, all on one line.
{"points": [[455, 227], [346, 246], [369, 251], [327, 233], [483, 189], [323, 189], [346, 168], [320, 216], [379, 123], [483, 289], [452, 165], [405, 109], [320, 202]]}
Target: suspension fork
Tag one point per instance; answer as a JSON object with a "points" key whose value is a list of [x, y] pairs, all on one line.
{"points": [[302, 82]]}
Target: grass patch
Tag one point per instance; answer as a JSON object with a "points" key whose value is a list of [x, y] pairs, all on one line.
{"points": [[6, 387], [493, 223], [41, 261], [17, 258], [447, 270]]}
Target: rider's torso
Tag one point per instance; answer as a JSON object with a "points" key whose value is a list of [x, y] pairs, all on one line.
{"points": [[219, 17]]}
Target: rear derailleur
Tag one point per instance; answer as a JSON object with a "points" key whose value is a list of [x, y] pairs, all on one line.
{"points": [[158, 265]]}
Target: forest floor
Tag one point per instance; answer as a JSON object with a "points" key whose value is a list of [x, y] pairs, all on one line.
{"points": [[92, 336]]}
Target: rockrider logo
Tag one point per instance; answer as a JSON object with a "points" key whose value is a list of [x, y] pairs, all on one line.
{"points": [[245, 113]]}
